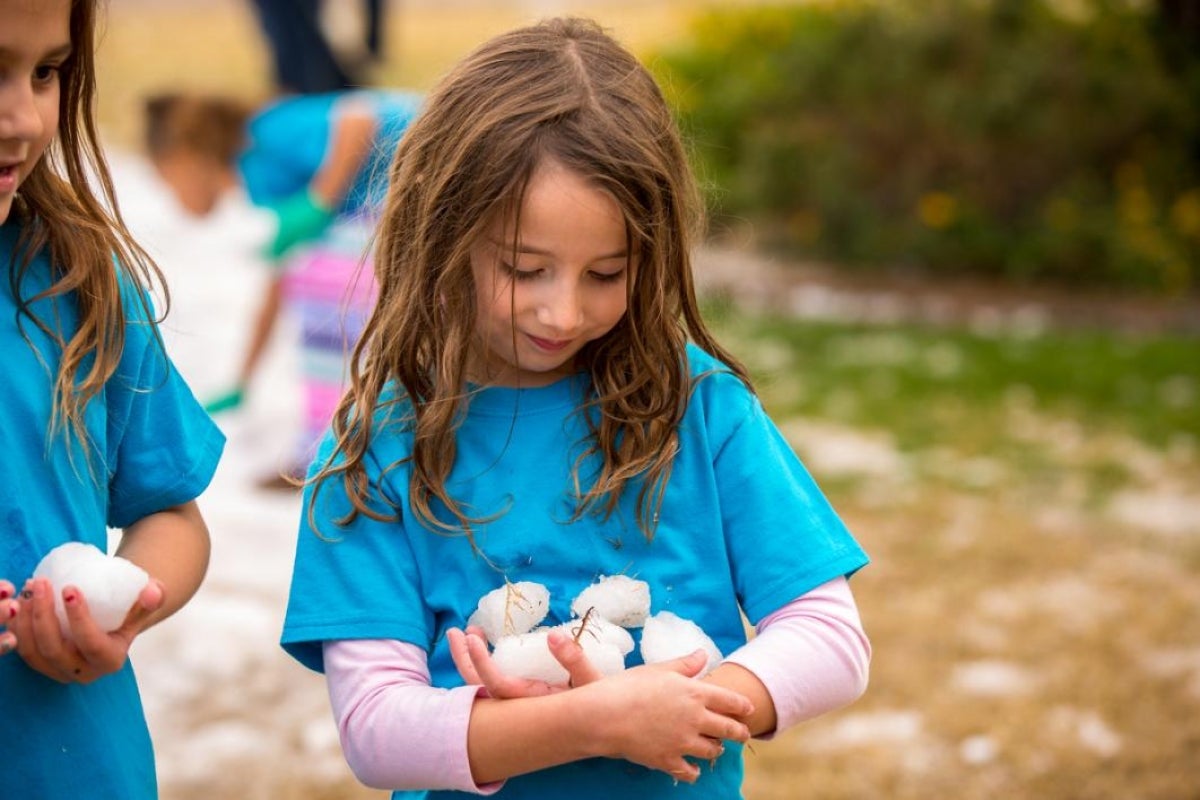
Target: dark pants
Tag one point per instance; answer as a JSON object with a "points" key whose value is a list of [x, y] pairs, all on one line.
{"points": [[304, 61]]}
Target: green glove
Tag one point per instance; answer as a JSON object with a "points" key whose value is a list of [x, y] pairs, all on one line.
{"points": [[301, 218], [226, 401]]}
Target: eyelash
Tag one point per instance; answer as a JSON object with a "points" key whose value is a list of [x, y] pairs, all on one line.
{"points": [[51, 73], [528, 275]]}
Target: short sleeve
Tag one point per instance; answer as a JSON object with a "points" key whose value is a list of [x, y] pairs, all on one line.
{"points": [[357, 580], [163, 448], [783, 536]]}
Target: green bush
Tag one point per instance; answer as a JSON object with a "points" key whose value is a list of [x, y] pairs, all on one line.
{"points": [[1000, 138]]}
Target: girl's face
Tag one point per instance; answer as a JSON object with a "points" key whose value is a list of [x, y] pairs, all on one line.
{"points": [[195, 180], [35, 41], [549, 288]]}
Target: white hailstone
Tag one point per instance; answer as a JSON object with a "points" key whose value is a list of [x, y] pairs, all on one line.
{"points": [[601, 630], [512, 609], [527, 655], [110, 584], [667, 636], [619, 599]]}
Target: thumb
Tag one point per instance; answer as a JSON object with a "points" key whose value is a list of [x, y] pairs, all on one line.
{"points": [[149, 600], [570, 655], [689, 665]]}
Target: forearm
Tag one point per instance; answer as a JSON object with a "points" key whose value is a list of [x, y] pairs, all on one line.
{"points": [[173, 547], [350, 143], [398, 732], [808, 658], [264, 324]]}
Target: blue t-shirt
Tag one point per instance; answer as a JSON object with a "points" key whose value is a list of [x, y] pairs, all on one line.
{"points": [[152, 447], [287, 142], [743, 527]]}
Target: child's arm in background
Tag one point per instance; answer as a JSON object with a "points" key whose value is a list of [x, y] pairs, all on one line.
{"points": [[807, 658], [387, 712], [350, 143], [171, 545]]}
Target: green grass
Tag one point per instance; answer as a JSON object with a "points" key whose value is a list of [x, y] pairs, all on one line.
{"points": [[951, 387]]}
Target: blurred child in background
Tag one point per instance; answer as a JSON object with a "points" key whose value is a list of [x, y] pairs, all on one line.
{"points": [[97, 428], [318, 163]]}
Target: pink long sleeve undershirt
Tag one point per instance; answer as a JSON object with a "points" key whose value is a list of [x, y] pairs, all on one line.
{"points": [[398, 732]]}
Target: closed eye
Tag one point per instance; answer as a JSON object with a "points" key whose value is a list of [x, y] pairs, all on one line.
{"points": [[608, 277]]}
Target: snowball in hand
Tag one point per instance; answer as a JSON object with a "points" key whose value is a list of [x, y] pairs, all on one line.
{"points": [[528, 655], [667, 636], [512, 609], [619, 599], [110, 584]]}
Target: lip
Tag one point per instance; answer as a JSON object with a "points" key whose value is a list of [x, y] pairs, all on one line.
{"points": [[9, 175], [549, 345]]}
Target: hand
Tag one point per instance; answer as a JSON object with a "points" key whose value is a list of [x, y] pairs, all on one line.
{"points": [[91, 653], [226, 401], [470, 654], [300, 218], [658, 715], [8, 610]]}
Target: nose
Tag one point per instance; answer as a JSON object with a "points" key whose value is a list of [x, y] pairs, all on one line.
{"points": [[19, 117], [560, 307]]}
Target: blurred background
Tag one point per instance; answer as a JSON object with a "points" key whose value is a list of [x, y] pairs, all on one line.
{"points": [[958, 242]]}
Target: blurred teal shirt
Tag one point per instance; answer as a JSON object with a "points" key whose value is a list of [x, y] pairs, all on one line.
{"points": [[287, 141], [152, 447], [743, 527]]}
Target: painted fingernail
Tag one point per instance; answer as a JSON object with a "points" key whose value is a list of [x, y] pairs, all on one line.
{"points": [[6, 646], [12, 611], [27, 594], [4, 593], [70, 598]]}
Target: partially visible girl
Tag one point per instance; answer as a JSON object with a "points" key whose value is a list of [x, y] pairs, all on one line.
{"points": [[97, 429], [318, 163], [537, 398]]}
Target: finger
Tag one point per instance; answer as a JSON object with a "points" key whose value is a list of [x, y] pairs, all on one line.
{"points": [[689, 666], [48, 635], [7, 590], [149, 600], [684, 771], [568, 653], [8, 642], [99, 652], [462, 659], [494, 680]]}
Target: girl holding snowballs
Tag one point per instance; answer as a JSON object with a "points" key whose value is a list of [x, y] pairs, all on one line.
{"points": [[535, 404], [97, 429]]}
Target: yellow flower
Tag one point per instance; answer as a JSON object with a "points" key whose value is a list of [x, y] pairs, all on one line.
{"points": [[937, 210]]}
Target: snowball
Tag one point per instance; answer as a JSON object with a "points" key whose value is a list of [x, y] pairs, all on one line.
{"points": [[600, 630], [514, 608], [527, 655], [618, 598], [110, 584], [667, 636]]}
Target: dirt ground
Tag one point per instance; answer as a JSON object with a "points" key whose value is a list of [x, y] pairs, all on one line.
{"points": [[1026, 643]]}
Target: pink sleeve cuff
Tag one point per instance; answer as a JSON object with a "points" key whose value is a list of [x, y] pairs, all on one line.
{"points": [[812, 654], [397, 731]]}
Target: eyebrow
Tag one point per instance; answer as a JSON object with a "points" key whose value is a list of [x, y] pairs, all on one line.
{"points": [[537, 251], [62, 51]]}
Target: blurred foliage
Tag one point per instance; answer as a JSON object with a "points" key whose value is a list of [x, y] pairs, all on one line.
{"points": [[1003, 138]]}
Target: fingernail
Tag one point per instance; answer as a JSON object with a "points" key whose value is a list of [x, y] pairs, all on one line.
{"points": [[6, 647], [4, 593], [12, 611], [70, 597], [26, 594]]}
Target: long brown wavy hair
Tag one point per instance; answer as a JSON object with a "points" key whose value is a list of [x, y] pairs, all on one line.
{"points": [[84, 236], [562, 89]]}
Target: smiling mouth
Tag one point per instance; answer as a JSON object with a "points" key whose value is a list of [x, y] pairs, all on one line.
{"points": [[550, 345]]}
